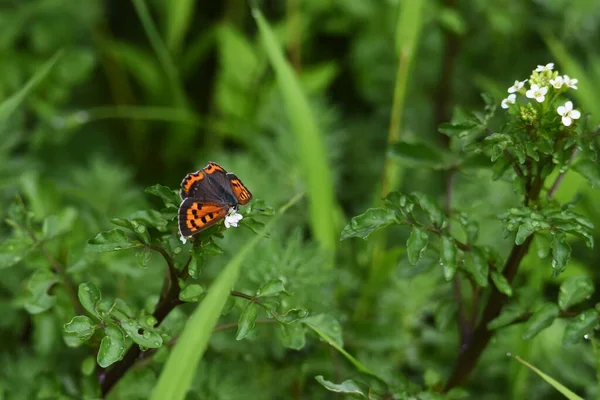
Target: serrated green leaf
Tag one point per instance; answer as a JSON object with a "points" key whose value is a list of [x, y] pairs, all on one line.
{"points": [[272, 288], [434, 212], [525, 229], [501, 283], [150, 218], [112, 346], [293, 315], [143, 257], [328, 325], [13, 250], [247, 320], [448, 257], [292, 335], [575, 290], [56, 225], [451, 129], [169, 197], [561, 254], [89, 297], [192, 292], [509, 314], [81, 326], [370, 221], [113, 240], [144, 336], [416, 244], [419, 154], [477, 265], [38, 299], [348, 387], [579, 326], [540, 320], [589, 169], [140, 230]]}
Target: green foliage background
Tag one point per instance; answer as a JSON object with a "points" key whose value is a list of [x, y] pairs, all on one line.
{"points": [[129, 94]]}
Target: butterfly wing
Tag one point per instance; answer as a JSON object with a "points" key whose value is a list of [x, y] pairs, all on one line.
{"points": [[241, 192], [196, 215], [192, 184]]}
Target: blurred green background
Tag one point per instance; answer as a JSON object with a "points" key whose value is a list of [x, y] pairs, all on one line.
{"points": [[143, 92]]}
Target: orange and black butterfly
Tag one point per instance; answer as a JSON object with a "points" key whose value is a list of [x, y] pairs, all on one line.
{"points": [[207, 197]]}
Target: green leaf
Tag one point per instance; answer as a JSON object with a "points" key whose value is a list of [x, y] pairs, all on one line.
{"points": [[56, 225], [142, 335], [416, 244], [293, 315], [579, 326], [112, 346], [525, 229], [554, 383], [501, 283], [113, 240], [9, 105], [589, 169], [88, 366], [38, 285], [134, 226], [81, 326], [181, 366], [575, 290], [540, 320], [561, 254], [292, 335], [272, 288], [179, 14], [328, 325], [477, 265], [348, 387], [508, 315], [143, 257], [13, 250], [448, 257], [370, 221], [169, 197], [89, 297], [460, 129], [419, 155], [150, 218], [229, 304], [434, 212], [310, 144], [192, 292], [247, 320]]}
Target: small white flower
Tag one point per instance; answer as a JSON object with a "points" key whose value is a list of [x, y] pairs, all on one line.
{"points": [[547, 67], [536, 92], [516, 87], [567, 113], [571, 82], [557, 82], [509, 100], [232, 219]]}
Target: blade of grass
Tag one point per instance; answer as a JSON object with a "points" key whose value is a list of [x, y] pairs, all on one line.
{"points": [[179, 16], [555, 384], [9, 105], [311, 147], [180, 368], [408, 32]]}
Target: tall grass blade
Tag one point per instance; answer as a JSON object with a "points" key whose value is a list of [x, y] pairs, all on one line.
{"points": [[311, 147], [9, 105], [179, 16], [555, 384], [180, 368]]}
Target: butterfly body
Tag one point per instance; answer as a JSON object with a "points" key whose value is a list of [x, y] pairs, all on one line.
{"points": [[208, 196]]}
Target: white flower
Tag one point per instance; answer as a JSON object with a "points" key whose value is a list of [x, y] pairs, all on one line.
{"points": [[567, 113], [509, 100], [232, 219], [547, 67], [557, 82], [516, 87], [571, 82], [536, 92]]}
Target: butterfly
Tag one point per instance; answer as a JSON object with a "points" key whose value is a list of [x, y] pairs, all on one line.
{"points": [[208, 196]]}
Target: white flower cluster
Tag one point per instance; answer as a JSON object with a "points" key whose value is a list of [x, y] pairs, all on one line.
{"points": [[540, 92]]}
